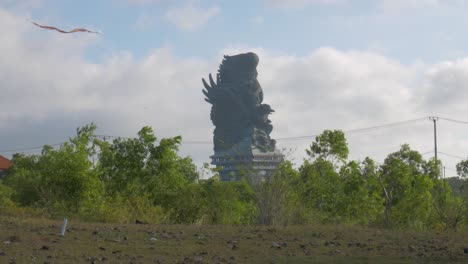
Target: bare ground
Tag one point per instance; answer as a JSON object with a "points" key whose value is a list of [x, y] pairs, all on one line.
{"points": [[38, 241]]}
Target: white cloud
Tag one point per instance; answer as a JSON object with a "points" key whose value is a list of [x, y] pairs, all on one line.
{"points": [[299, 3], [400, 4], [446, 85], [418, 4], [191, 17], [48, 89], [143, 2], [21, 5]]}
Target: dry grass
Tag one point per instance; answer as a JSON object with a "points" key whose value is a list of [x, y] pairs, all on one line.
{"points": [[37, 241]]}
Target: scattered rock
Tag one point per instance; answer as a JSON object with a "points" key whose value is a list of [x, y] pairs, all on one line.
{"points": [[14, 239], [338, 252], [411, 248], [233, 244], [44, 248], [275, 245], [116, 251], [442, 248], [465, 250], [421, 254], [198, 260], [153, 239], [313, 244], [92, 260], [138, 222], [158, 261], [2, 253], [102, 248]]}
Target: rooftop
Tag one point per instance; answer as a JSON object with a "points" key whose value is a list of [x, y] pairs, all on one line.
{"points": [[4, 163]]}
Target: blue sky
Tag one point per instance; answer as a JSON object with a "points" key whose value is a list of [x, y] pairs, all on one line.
{"points": [[324, 64], [409, 32]]}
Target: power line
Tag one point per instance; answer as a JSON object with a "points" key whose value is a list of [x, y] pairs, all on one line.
{"points": [[454, 120], [352, 131], [360, 130], [30, 148], [453, 156], [427, 152], [451, 169], [183, 141]]}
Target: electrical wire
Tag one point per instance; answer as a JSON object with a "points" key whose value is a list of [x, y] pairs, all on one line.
{"points": [[450, 155], [454, 120], [352, 131], [29, 148], [360, 130]]}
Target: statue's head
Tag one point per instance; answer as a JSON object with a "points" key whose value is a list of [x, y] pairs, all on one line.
{"points": [[238, 67]]}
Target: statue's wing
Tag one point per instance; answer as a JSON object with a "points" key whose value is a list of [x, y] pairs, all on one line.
{"points": [[222, 97], [215, 94]]}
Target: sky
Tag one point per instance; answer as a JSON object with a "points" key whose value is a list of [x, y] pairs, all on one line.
{"points": [[324, 64]]}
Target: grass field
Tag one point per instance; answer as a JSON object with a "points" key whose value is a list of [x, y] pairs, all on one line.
{"points": [[38, 241]]}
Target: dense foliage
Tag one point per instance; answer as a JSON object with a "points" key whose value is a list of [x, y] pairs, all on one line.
{"points": [[145, 179]]}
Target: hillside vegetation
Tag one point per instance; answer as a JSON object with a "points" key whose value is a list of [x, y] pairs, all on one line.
{"points": [[144, 179]]}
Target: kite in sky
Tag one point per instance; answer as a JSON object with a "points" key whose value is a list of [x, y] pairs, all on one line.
{"points": [[63, 31]]}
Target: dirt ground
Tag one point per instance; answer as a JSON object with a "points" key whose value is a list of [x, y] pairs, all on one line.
{"points": [[38, 241]]}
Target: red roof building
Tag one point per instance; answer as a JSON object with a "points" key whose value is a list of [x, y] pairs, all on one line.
{"points": [[5, 164]]}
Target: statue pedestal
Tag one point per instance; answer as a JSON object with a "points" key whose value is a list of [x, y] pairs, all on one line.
{"points": [[258, 166]]}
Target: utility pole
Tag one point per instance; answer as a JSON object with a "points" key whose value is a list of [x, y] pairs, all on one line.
{"points": [[444, 179], [434, 119]]}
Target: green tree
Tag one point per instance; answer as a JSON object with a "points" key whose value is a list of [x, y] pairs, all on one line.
{"points": [[462, 169], [406, 189], [278, 200], [330, 145], [321, 185], [228, 202], [58, 180], [321, 190], [361, 201], [140, 166], [452, 210]]}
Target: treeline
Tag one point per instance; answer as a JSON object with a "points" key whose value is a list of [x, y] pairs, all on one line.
{"points": [[145, 179]]}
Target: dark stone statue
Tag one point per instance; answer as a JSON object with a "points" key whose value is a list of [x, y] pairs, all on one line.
{"points": [[237, 110]]}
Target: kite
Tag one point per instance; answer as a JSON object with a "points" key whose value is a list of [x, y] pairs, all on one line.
{"points": [[66, 32]]}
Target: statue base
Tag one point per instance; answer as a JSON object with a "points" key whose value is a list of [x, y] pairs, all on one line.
{"points": [[245, 161]]}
